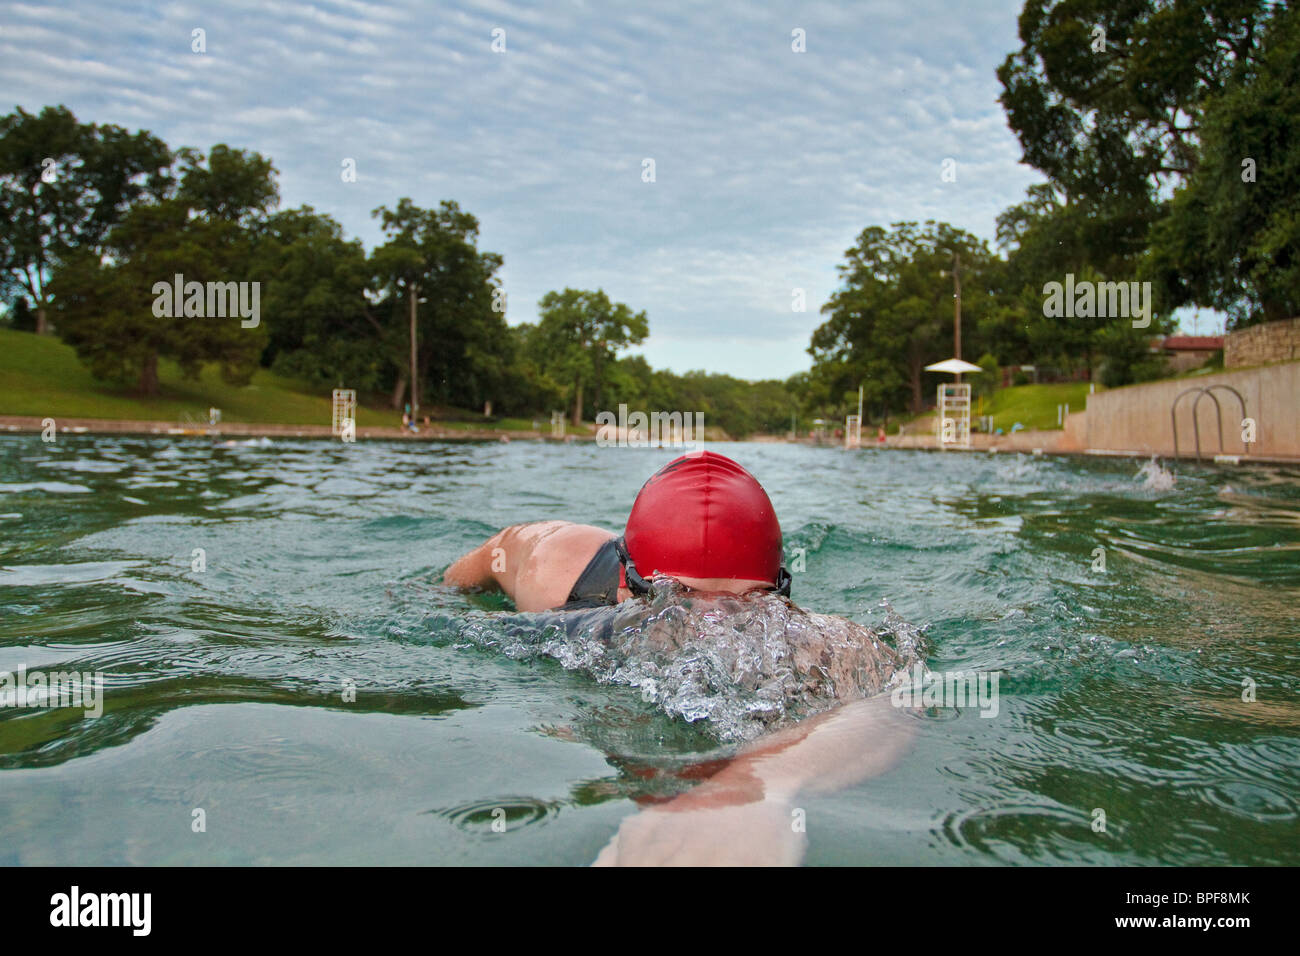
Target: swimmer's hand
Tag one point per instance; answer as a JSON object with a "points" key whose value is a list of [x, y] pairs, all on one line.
{"points": [[745, 815], [760, 833]]}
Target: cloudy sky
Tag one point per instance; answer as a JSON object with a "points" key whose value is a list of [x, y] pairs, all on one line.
{"points": [[767, 162]]}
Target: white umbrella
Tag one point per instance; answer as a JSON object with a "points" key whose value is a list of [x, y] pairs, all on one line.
{"points": [[953, 366]]}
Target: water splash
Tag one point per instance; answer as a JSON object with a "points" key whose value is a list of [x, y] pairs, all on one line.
{"points": [[1158, 478], [744, 665]]}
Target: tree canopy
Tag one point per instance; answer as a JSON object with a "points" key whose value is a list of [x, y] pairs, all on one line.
{"points": [[108, 296], [63, 186]]}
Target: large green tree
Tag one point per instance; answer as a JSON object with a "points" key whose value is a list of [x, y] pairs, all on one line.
{"points": [[107, 301], [322, 328], [893, 314], [1116, 104], [1047, 238], [63, 186], [431, 256], [581, 333], [1231, 239], [1109, 97]]}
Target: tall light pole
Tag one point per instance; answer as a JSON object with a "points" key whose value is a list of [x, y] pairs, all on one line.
{"points": [[415, 391], [956, 306]]}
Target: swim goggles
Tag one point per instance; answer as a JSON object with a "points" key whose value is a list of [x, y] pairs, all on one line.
{"points": [[639, 586]]}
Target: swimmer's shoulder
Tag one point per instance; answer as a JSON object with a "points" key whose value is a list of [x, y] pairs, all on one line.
{"points": [[553, 562]]}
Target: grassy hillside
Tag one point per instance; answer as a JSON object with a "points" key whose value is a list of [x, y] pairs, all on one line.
{"points": [[41, 376], [1034, 406]]}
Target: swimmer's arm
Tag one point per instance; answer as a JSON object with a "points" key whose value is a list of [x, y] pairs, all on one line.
{"points": [[487, 565], [860, 739], [744, 814], [535, 564]]}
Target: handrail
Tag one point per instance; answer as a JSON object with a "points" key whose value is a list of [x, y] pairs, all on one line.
{"points": [[1202, 391]]}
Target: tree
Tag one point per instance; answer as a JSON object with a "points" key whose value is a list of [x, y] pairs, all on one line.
{"points": [[234, 185], [1231, 239], [1110, 101], [1109, 97], [63, 186], [431, 256], [321, 326], [107, 302], [894, 313], [1048, 238], [582, 332]]}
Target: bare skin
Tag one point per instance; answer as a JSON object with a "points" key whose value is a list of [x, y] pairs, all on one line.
{"points": [[537, 565], [744, 814]]}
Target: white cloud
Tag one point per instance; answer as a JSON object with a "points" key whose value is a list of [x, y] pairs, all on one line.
{"points": [[769, 162]]}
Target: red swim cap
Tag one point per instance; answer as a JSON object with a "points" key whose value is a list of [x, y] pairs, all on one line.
{"points": [[704, 516]]}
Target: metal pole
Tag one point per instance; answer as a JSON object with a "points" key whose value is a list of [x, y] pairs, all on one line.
{"points": [[956, 308], [415, 392]]}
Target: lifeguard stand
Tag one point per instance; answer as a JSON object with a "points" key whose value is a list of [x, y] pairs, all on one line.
{"points": [[344, 404], [853, 431], [954, 415], [953, 405]]}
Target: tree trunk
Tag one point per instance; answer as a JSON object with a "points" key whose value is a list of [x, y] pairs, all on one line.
{"points": [[399, 393], [577, 404], [916, 389], [148, 386], [42, 327], [599, 377]]}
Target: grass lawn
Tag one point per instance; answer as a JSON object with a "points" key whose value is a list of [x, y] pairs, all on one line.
{"points": [[41, 376], [1034, 406]]}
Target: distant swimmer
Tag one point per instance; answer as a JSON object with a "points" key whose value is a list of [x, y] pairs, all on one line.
{"points": [[701, 519]]}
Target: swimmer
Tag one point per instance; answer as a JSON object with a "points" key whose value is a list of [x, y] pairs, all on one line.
{"points": [[702, 519], [705, 522]]}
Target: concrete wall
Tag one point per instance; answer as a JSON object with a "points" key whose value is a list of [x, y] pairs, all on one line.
{"points": [[1261, 344], [1136, 418]]}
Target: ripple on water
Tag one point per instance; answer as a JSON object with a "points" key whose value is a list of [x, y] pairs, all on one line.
{"points": [[1017, 833], [33, 575], [53, 487], [500, 815], [1251, 799]]}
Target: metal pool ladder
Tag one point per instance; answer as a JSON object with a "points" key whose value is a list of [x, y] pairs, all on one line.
{"points": [[1202, 391]]}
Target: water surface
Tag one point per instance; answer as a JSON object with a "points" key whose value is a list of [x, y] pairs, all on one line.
{"points": [[225, 689]]}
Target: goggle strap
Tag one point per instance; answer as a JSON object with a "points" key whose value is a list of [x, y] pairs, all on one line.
{"points": [[639, 585]]}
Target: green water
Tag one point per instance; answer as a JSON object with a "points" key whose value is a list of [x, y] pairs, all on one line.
{"points": [[224, 688]]}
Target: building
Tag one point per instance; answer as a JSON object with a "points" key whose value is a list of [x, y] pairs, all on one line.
{"points": [[1186, 352]]}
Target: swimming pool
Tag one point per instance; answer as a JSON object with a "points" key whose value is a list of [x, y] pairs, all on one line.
{"points": [[227, 734]]}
